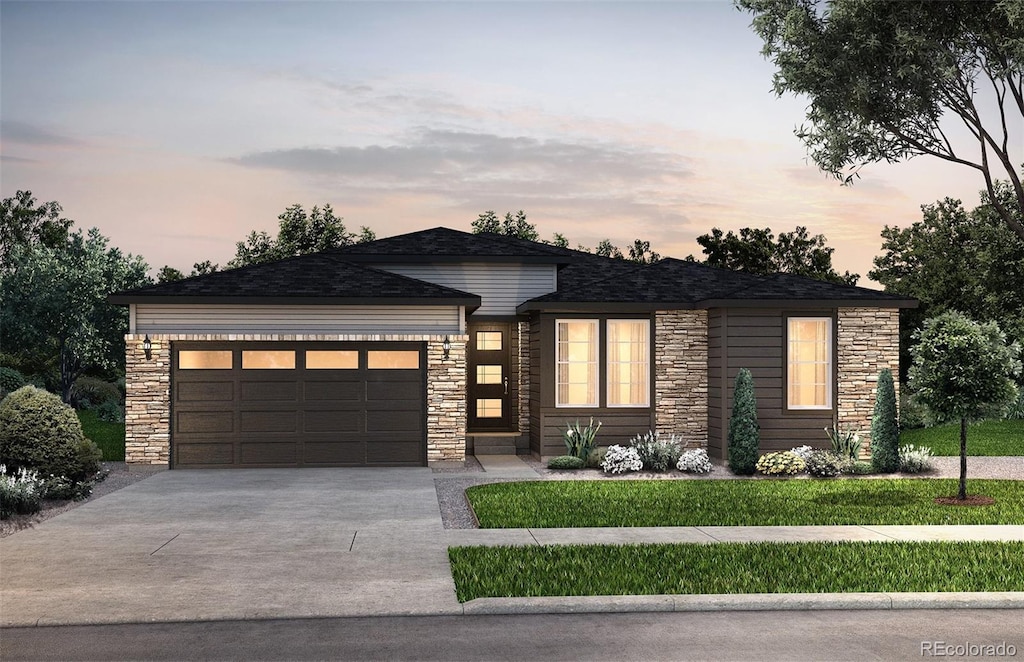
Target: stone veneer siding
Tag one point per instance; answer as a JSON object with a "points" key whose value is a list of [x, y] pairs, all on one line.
{"points": [[524, 378], [681, 375], [148, 391], [868, 340]]}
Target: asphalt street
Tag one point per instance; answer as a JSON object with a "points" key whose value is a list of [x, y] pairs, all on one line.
{"points": [[799, 635]]}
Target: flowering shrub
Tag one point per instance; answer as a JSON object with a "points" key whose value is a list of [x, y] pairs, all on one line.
{"points": [[803, 451], [579, 441], [566, 462], [915, 459], [694, 461], [620, 459], [655, 453], [824, 464], [783, 463], [20, 493], [846, 444]]}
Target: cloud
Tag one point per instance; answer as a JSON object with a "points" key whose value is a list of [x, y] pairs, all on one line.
{"points": [[24, 133], [6, 158]]}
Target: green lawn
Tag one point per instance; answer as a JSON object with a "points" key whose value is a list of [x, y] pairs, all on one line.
{"points": [[813, 567], [986, 438], [557, 503], [108, 436]]}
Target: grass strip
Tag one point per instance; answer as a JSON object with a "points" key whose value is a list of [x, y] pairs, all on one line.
{"points": [[108, 436], [992, 438], [557, 503], [810, 567]]}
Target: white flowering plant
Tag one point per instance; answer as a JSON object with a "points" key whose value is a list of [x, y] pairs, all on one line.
{"points": [[694, 461], [657, 453], [803, 451], [915, 459], [620, 459], [21, 492]]}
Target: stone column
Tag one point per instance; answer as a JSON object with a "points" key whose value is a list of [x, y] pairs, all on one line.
{"points": [[147, 411], [868, 340], [446, 400], [681, 375]]}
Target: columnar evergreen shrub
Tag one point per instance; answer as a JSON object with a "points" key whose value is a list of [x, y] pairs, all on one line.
{"points": [[744, 431], [885, 432], [38, 431]]}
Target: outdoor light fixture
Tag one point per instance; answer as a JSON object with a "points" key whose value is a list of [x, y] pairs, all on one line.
{"points": [[446, 346], [147, 347]]}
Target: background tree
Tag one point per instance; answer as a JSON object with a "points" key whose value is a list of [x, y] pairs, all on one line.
{"points": [[963, 371], [756, 251], [24, 222], [605, 248], [298, 233], [885, 432], [744, 430], [641, 252], [512, 225], [54, 301], [953, 259], [880, 76], [168, 274]]}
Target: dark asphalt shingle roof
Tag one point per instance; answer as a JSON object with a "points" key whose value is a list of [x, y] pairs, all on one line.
{"points": [[318, 276], [445, 244]]}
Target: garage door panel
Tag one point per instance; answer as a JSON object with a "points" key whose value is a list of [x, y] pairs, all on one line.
{"points": [[394, 452], [333, 421], [394, 391], [205, 421], [206, 391], [269, 452], [333, 391], [394, 421], [210, 454], [269, 390], [335, 452], [269, 421]]}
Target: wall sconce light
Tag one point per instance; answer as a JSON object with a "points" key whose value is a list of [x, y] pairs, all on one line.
{"points": [[147, 347], [446, 346]]}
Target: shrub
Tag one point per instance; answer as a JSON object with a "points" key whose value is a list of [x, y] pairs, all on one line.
{"points": [[824, 464], [620, 459], [91, 392], [38, 431], [596, 457], [110, 412], [915, 459], [744, 431], [913, 413], [10, 380], [782, 463], [579, 441], [859, 468], [694, 461], [566, 462], [655, 453], [1016, 410], [803, 451], [845, 444], [885, 432], [20, 493], [65, 489]]}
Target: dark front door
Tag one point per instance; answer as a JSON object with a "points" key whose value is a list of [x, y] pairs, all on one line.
{"points": [[491, 381]]}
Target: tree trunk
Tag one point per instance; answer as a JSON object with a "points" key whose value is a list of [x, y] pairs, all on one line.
{"points": [[962, 494]]}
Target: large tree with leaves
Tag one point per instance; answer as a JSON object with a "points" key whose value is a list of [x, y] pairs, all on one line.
{"points": [[888, 80], [757, 251], [25, 222], [298, 233], [54, 301]]}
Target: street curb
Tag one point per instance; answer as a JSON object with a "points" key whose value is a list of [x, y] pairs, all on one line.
{"points": [[603, 604]]}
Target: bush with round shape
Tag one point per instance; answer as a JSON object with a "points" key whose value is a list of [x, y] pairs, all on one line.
{"points": [[38, 431], [110, 412], [694, 461], [824, 464], [10, 380], [91, 392], [859, 468], [782, 463], [620, 459], [596, 456], [566, 462]]}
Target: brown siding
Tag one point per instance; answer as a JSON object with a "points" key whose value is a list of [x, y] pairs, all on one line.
{"points": [[618, 426], [535, 385], [716, 354]]}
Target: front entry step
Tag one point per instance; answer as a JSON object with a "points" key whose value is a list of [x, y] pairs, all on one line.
{"points": [[494, 445]]}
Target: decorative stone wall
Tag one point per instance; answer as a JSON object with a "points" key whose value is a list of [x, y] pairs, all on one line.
{"points": [[681, 375], [446, 400], [524, 377], [148, 391], [868, 340]]}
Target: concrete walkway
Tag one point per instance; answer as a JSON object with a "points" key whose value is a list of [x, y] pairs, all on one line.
{"points": [[506, 466]]}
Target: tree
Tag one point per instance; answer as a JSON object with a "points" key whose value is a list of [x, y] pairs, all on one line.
{"points": [[954, 259], [641, 252], [24, 223], [756, 251], [203, 268], [512, 226], [168, 274], [963, 371], [56, 299], [881, 76], [744, 430], [298, 234], [885, 432], [607, 249]]}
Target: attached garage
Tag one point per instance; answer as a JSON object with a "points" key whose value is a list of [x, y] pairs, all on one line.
{"points": [[298, 404]]}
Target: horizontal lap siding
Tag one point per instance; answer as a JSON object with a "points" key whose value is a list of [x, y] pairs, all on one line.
{"points": [[618, 426], [226, 318], [501, 287]]}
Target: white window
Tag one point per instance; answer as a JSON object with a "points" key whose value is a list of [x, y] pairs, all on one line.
{"points": [[576, 345], [628, 363], [809, 377]]}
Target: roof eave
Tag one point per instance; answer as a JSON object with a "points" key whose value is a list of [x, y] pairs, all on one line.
{"points": [[393, 258], [599, 306], [126, 299], [808, 303]]}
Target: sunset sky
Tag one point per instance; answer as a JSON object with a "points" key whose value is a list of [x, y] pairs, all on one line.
{"points": [[176, 128]]}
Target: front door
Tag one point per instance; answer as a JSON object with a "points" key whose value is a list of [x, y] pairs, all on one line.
{"points": [[491, 381]]}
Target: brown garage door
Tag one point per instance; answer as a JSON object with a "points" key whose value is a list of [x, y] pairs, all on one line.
{"points": [[298, 404]]}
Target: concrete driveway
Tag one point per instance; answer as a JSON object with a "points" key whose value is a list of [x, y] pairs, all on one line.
{"points": [[227, 544]]}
